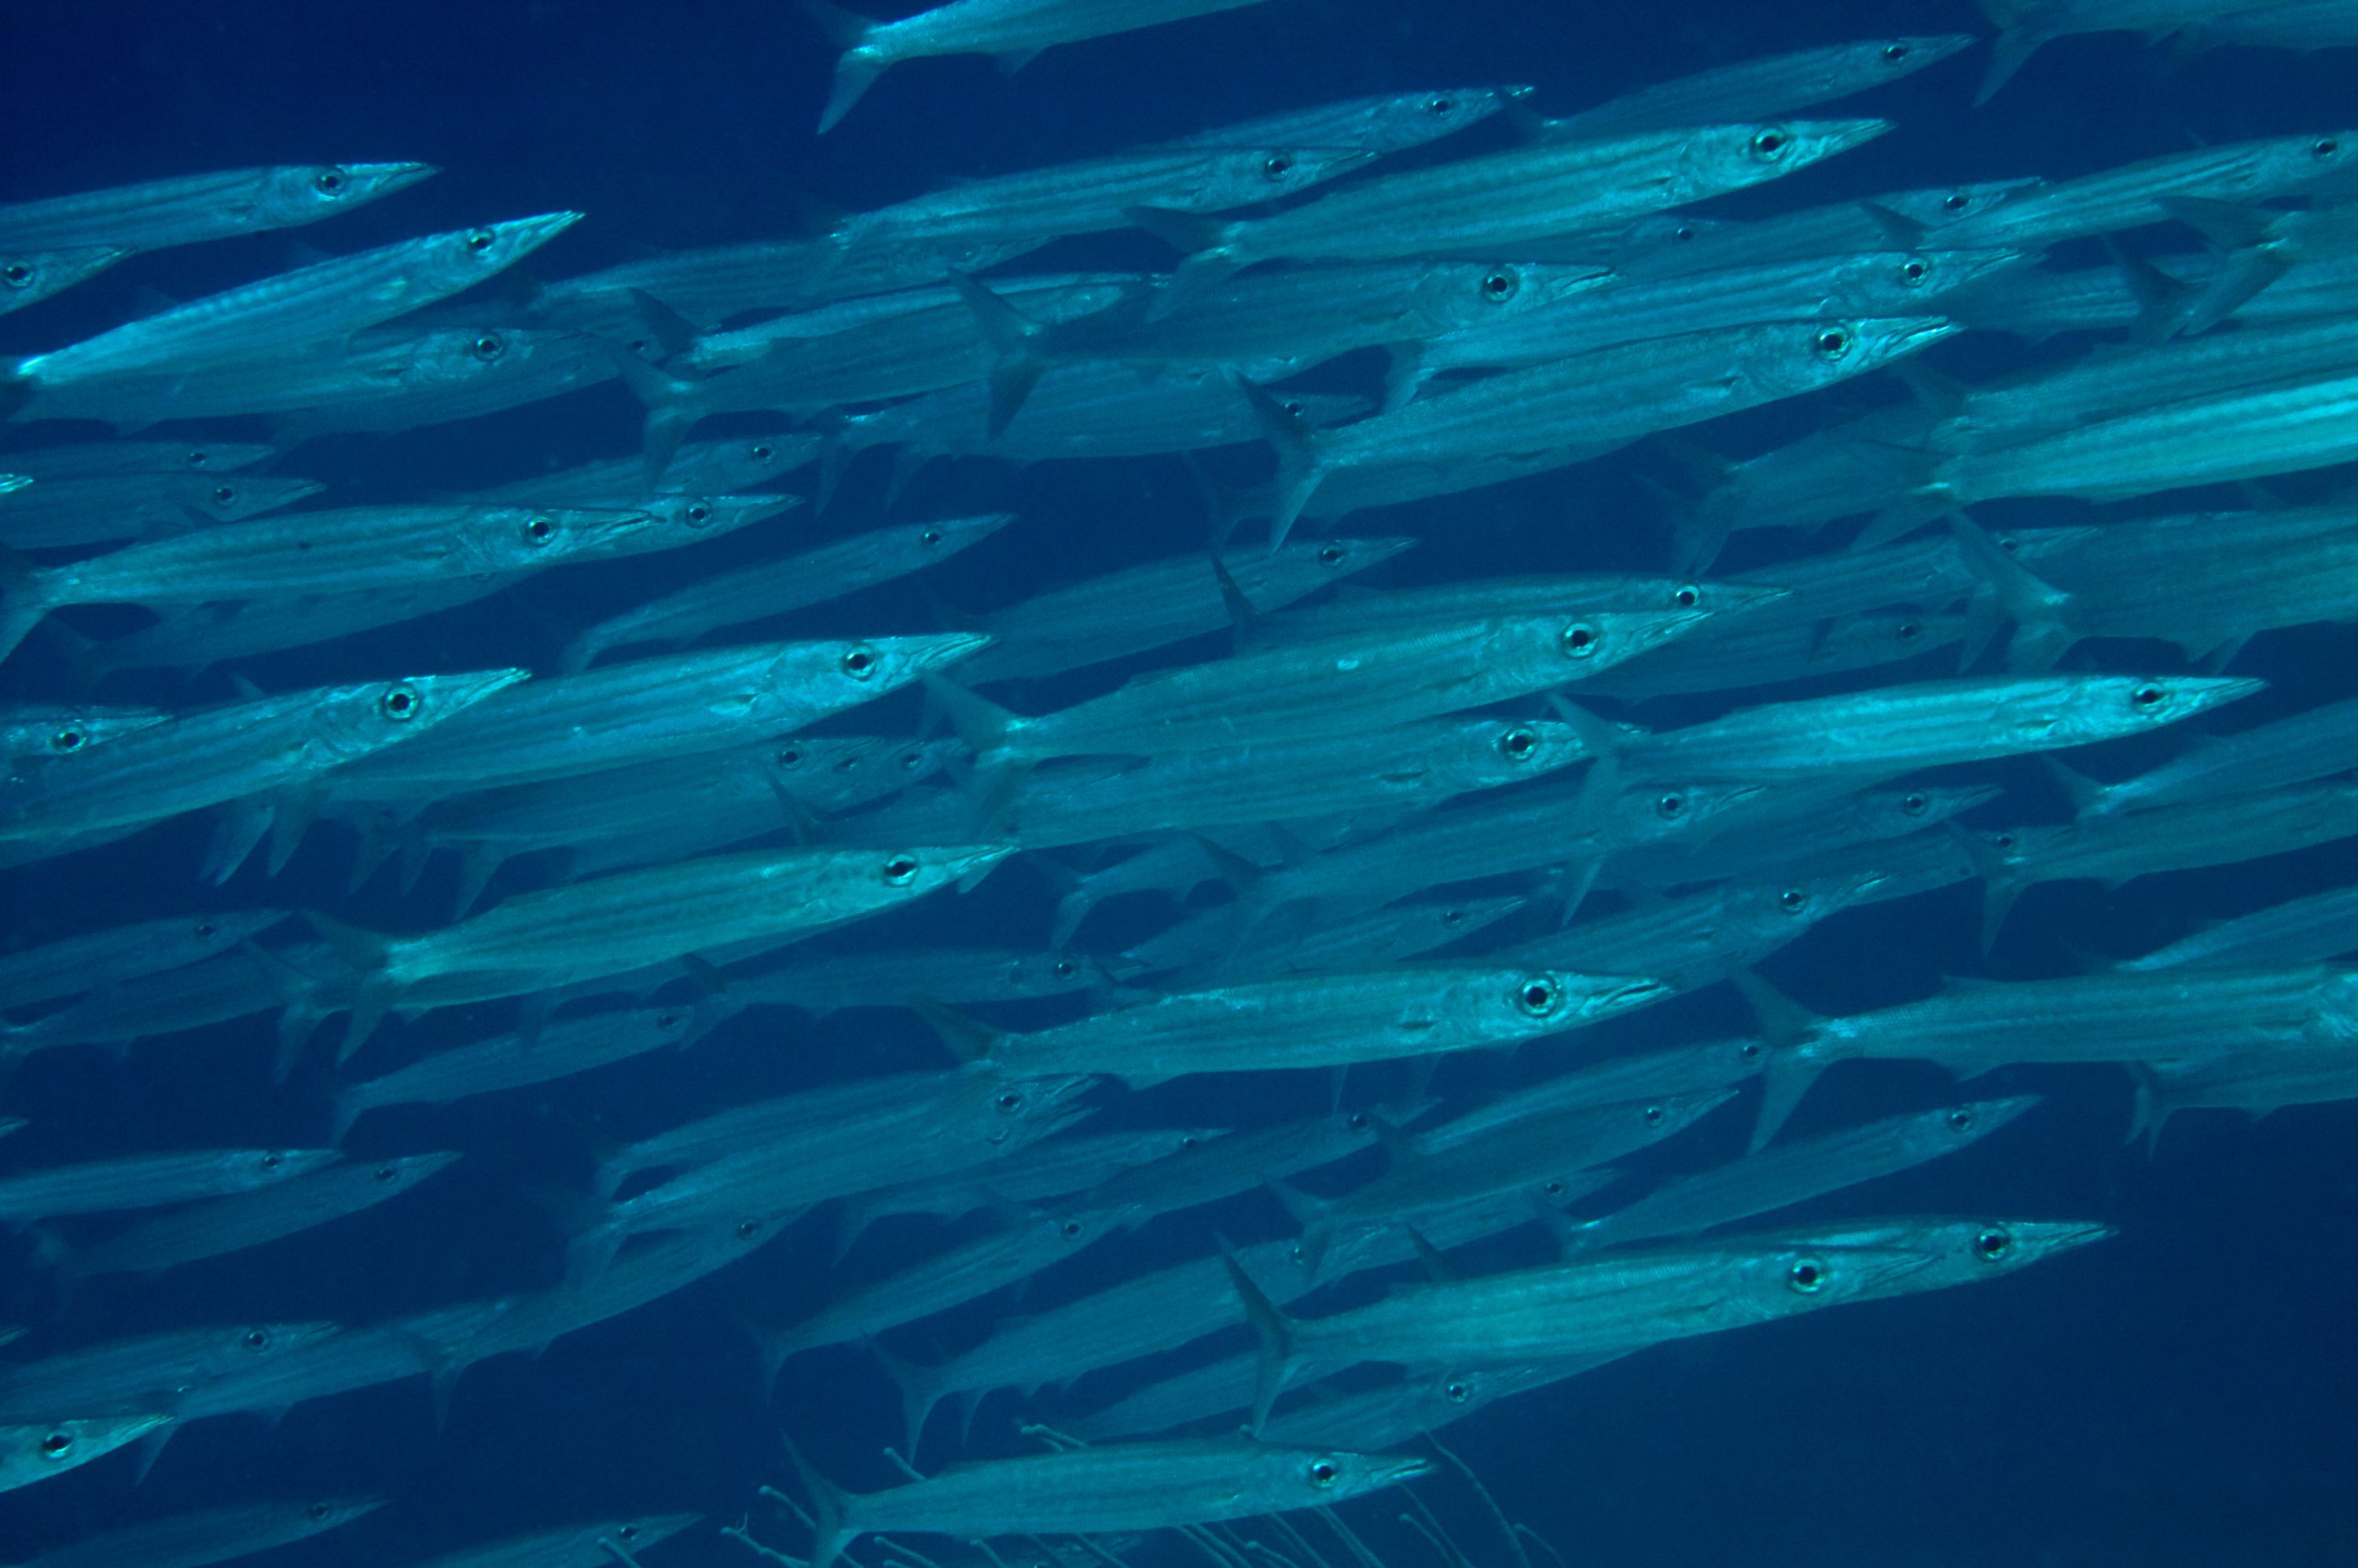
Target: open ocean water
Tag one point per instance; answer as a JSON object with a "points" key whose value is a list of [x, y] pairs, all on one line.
{"points": [[2185, 1392]]}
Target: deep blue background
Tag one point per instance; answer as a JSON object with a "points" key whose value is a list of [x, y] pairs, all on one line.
{"points": [[2183, 1394]]}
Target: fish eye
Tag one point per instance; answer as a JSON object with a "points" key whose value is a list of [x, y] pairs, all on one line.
{"points": [[1671, 805], [1654, 1116], [1750, 1050], [205, 929], [1452, 917], [1832, 342], [57, 1445], [1908, 630], [1330, 555], [316, 1511], [1686, 596], [2005, 841], [273, 1160], [1914, 270], [481, 240], [1579, 640], [224, 494], [1961, 1120], [1009, 1104], [668, 1019], [400, 703], [2325, 148], [901, 870], [911, 761], [698, 513], [1791, 901], [1501, 286], [198, 458], [17, 274], [1769, 142], [1189, 1141], [487, 347], [1537, 997], [257, 1339], [1322, 1473], [748, 1229], [1070, 1230], [1993, 1244], [1807, 1276], [858, 661], [1456, 1391], [763, 451], [1684, 231], [540, 530], [788, 757], [329, 182], [2147, 696], [628, 1531], [69, 740], [1957, 201], [930, 537], [387, 1173], [1553, 1189], [1895, 53], [1442, 106], [1357, 1121], [1066, 968], [1915, 803], [1518, 744], [1277, 166], [1296, 406]]}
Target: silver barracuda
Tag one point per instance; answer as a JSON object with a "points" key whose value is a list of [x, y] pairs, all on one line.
{"points": [[192, 209]]}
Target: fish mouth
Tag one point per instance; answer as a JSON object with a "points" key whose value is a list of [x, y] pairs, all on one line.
{"points": [[1621, 995], [1392, 1472]]}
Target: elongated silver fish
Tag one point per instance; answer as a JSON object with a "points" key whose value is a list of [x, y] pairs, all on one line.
{"points": [[195, 208]]}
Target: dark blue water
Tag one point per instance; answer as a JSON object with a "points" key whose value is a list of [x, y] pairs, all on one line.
{"points": [[2186, 1393]]}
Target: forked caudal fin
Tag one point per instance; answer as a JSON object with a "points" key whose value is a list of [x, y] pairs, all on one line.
{"points": [[1275, 1331]]}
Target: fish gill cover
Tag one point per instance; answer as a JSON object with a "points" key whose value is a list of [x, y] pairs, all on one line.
{"points": [[1264, 795]]}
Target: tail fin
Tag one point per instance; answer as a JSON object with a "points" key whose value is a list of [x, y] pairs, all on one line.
{"points": [[993, 734], [367, 952], [921, 1390], [1015, 364], [969, 1039], [2087, 796], [2036, 608], [1298, 472], [1274, 1331], [22, 603], [855, 72], [1790, 1029], [827, 1503], [670, 413], [1209, 258], [2015, 44], [2150, 1110], [2001, 884]]}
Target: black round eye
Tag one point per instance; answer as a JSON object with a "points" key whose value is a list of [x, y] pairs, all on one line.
{"points": [[317, 1511], [1579, 640], [1808, 1276], [1294, 407], [540, 530], [1537, 997], [1992, 1245], [1908, 630], [698, 513], [1769, 142], [198, 458], [1500, 287], [205, 929], [789, 758], [1671, 807], [1189, 1141], [1455, 1392], [667, 1021], [1452, 917], [1357, 1121], [1070, 1229], [1277, 166], [387, 1174], [748, 1229], [57, 1445], [1330, 555], [1915, 804], [257, 1340], [400, 703], [858, 661], [901, 870], [763, 451], [1009, 1104], [481, 240], [628, 1533], [1913, 271], [1686, 596], [1518, 744], [2003, 840], [910, 761], [1066, 968], [1791, 899], [1654, 1116], [1552, 1189], [2325, 148], [488, 346], [272, 1161], [2147, 696], [1684, 231], [1961, 1119], [17, 273], [224, 494], [1322, 1473], [1895, 52], [930, 537], [1443, 106], [329, 182], [1832, 342], [1956, 201], [1750, 1050], [70, 739]]}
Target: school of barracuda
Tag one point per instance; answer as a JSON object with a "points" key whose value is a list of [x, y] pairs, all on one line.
{"points": [[1445, 834]]}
